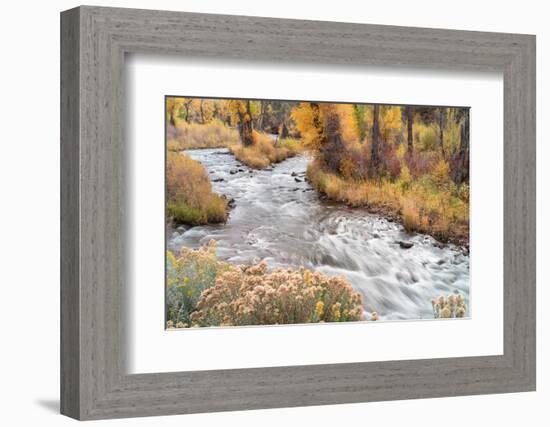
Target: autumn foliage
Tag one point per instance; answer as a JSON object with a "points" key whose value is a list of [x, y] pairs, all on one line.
{"points": [[190, 199], [407, 162]]}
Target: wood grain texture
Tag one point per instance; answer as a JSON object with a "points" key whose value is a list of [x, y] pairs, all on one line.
{"points": [[70, 262], [94, 271]]}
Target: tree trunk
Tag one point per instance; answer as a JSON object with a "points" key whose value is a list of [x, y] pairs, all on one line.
{"points": [[284, 131], [332, 145], [245, 127], [409, 130], [202, 111], [187, 105], [172, 113], [317, 124], [461, 160], [375, 146], [262, 115], [441, 121]]}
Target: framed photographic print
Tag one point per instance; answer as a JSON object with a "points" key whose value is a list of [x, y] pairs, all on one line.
{"points": [[262, 213]]}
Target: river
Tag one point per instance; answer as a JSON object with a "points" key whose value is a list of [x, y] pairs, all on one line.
{"points": [[278, 217]]}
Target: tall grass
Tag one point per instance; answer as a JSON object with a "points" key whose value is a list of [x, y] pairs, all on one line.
{"points": [[190, 199], [194, 135], [264, 151]]}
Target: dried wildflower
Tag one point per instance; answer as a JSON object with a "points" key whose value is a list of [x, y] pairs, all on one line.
{"points": [[216, 293], [450, 307], [374, 316], [335, 312], [254, 296], [445, 312], [169, 324]]}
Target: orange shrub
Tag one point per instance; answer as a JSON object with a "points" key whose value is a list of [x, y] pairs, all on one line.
{"points": [[190, 199]]}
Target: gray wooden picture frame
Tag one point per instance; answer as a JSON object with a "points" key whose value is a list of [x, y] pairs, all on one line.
{"points": [[94, 41]]}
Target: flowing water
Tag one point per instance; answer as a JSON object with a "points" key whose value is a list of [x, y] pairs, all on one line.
{"points": [[278, 217]]}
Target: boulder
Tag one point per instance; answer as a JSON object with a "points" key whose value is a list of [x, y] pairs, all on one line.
{"points": [[405, 245]]}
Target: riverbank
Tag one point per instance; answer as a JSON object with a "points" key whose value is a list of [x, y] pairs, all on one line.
{"points": [[189, 196], [418, 206], [265, 151]]}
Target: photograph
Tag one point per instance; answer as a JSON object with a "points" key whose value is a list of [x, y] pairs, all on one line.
{"points": [[293, 212]]}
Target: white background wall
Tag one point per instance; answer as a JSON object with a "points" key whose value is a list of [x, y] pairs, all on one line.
{"points": [[29, 214]]}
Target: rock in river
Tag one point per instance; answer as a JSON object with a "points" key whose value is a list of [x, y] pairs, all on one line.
{"points": [[405, 245]]}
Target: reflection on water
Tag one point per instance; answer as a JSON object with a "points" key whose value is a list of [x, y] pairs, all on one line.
{"points": [[280, 218]]}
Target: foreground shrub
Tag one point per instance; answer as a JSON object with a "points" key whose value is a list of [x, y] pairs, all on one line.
{"points": [[254, 296], [186, 278], [187, 136], [190, 199], [427, 205], [264, 151], [451, 307], [203, 291]]}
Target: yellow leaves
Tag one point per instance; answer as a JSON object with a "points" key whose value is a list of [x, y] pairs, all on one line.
{"points": [[427, 137], [308, 122], [320, 309], [390, 123], [348, 126], [239, 110], [307, 277], [173, 106], [405, 177], [401, 151], [335, 311], [441, 173]]}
